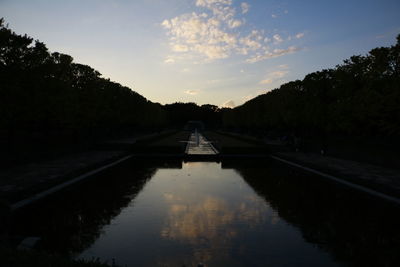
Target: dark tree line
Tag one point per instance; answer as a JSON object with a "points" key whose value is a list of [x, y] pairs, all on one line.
{"points": [[180, 113], [360, 97], [47, 99], [47, 95]]}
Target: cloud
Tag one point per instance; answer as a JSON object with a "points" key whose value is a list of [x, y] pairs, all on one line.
{"points": [[214, 32], [266, 81], [201, 34], [277, 38], [274, 16], [252, 41], [166, 24], [251, 96], [300, 35], [169, 60], [192, 92], [245, 7], [278, 74], [273, 54], [235, 23], [179, 48], [275, 75], [229, 104], [215, 81]]}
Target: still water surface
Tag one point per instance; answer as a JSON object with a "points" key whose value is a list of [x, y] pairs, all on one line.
{"points": [[220, 214]]}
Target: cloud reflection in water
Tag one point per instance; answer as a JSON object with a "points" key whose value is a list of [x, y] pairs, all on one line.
{"points": [[209, 222]]}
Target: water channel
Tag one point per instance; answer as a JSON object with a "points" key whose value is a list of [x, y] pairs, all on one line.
{"points": [[230, 213]]}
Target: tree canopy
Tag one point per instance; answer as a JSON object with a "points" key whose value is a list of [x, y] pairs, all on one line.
{"points": [[360, 97], [42, 90]]}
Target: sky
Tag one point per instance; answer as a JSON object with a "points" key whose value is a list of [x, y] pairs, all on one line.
{"points": [[220, 52]]}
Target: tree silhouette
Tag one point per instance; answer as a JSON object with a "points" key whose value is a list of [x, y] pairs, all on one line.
{"points": [[360, 97], [46, 97]]}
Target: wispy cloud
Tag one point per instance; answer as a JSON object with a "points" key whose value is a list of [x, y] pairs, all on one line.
{"points": [[169, 60], [277, 38], [211, 34], [192, 92], [272, 54], [245, 7], [228, 104], [300, 35], [253, 95], [275, 75]]}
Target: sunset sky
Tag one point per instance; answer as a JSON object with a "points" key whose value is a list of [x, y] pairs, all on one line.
{"points": [[221, 52]]}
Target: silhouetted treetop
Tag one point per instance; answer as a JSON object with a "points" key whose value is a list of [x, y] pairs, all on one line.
{"points": [[361, 97], [43, 91]]}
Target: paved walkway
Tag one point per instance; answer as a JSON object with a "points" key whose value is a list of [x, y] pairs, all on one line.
{"points": [[378, 178], [21, 181], [25, 180], [198, 145]]}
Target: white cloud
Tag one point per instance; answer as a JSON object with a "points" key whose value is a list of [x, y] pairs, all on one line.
{"points": [[266, 81], [274, 16], [208, 3], [247, 98], [192, 92], [281, 52], [300, 35], [277, 38], [179, 48], [245, 7], [215, 81], [253, 95], [229, 104], [166, 24], [278, 74], [250, 42], [272, 54], [200, 34], [169, 60], [213, 33], [274, 76], [235, 23]]}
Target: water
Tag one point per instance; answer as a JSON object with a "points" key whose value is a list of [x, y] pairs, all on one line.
{"points": [[255, 213]]}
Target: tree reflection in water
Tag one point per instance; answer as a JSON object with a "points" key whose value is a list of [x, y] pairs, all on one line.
{"points": [[353, 227], [247, 213], [72, 220]]}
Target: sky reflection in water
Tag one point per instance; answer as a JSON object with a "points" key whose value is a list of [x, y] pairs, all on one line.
{"points": [[202, 213]]}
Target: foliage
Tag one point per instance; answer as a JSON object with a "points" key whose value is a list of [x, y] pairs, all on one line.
{"points": [[180, 113], [361, 97], [44, 92]]}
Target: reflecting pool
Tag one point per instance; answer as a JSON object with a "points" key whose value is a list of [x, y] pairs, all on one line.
{"points": [[234, 213]]}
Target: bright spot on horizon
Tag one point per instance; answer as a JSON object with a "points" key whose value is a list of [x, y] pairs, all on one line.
{"points": [[220, 52]]}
